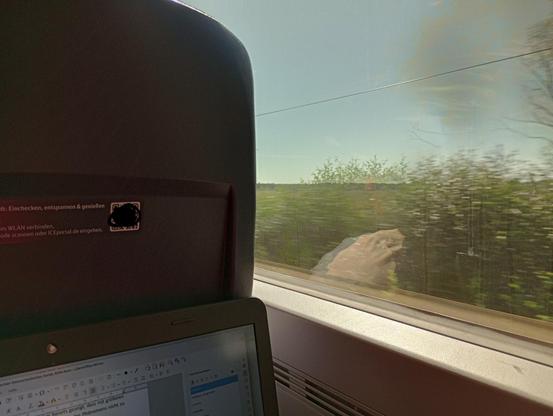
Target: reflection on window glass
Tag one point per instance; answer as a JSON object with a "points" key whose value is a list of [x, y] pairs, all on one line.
{"points": [[405, 145]]}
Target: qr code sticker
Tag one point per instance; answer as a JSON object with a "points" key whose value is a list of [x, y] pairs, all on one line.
{"points": [[124, 216]]}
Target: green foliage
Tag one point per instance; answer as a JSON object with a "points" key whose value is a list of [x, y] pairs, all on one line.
{"points": [[478, 229], [335, 171]]}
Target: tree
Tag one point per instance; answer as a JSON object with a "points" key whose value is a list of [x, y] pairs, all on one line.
{"points": [[334, 171]]}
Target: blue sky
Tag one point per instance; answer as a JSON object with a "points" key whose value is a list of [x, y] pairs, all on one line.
{"points": [[308, 50]]}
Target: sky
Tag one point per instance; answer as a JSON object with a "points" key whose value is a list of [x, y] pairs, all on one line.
{"points": [[306, 51]]}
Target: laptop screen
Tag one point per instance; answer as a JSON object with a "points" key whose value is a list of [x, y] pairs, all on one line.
{"points": [[212, 374]]}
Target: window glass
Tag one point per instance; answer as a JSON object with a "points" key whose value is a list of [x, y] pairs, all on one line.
{"points": [[405, 146]]}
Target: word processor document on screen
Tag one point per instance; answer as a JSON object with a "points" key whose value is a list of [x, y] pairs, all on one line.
{"points": [[213, 374]]}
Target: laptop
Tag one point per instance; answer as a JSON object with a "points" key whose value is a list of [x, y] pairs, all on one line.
{"points": [[206, 360]]}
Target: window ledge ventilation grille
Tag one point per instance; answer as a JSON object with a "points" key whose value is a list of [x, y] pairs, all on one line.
{"points": [[319, 394]]}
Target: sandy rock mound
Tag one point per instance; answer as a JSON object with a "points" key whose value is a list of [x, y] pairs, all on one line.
{"points": [[366, 259]]}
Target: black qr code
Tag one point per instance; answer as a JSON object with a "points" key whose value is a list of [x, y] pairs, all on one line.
{"points": [[125, 216]]}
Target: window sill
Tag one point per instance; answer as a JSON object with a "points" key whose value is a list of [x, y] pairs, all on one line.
{"points": [[508, 373]]}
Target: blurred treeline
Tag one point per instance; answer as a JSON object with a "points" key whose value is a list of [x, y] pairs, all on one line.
{"points": [[478, 228]]}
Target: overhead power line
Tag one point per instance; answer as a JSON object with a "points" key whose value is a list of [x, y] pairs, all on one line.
{"points": [[397, 84]]}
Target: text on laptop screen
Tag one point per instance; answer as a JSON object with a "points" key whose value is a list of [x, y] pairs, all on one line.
{"points": [[213, 374]]}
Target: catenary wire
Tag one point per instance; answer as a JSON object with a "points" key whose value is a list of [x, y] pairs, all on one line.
{"points": [[397, 84]]}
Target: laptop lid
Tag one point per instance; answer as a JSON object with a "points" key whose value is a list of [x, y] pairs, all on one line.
{"points": [[206, 360]]}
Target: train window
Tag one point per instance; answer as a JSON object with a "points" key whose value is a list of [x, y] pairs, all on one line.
{"points": [[405, 151]]}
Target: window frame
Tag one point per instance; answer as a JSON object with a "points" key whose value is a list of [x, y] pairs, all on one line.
{"points": [[489, 333], [459, 377]]}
